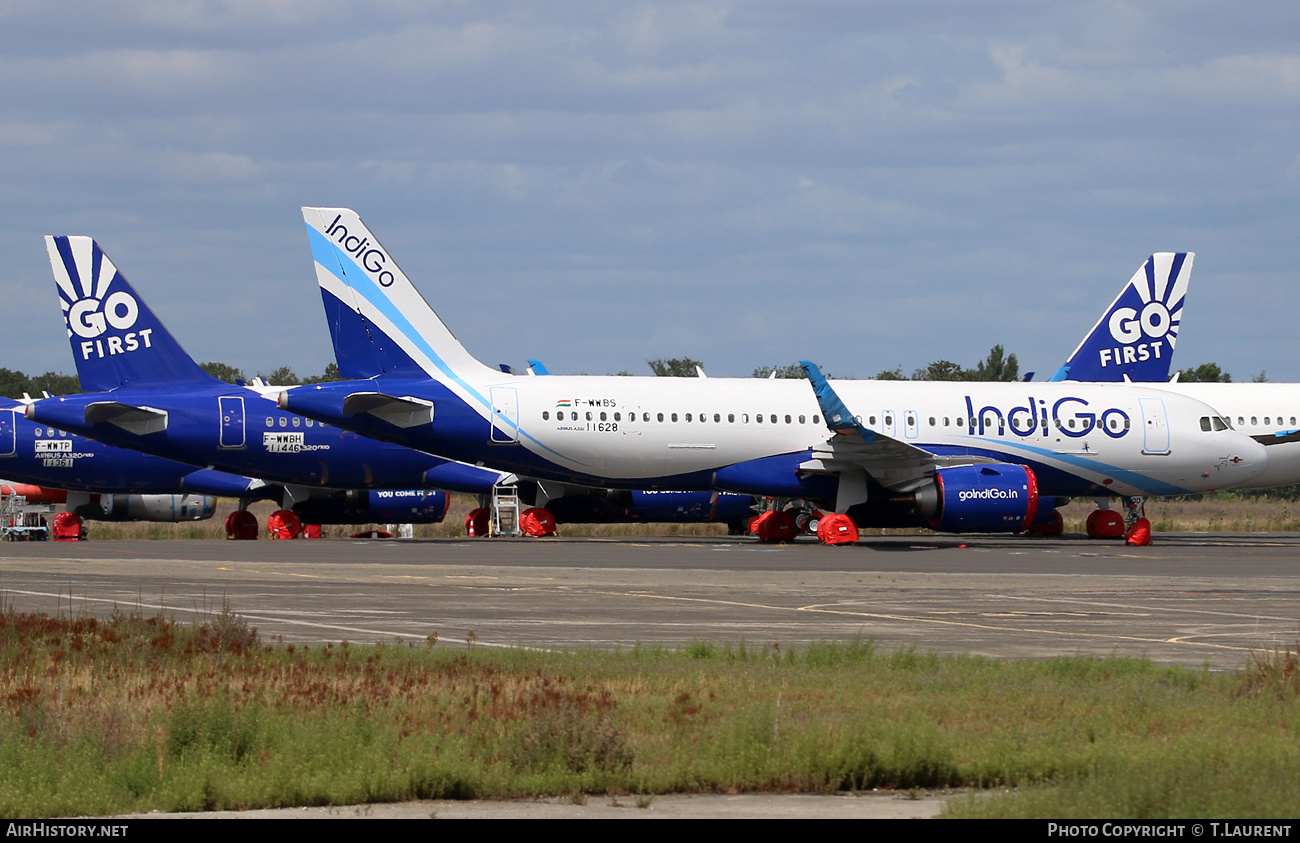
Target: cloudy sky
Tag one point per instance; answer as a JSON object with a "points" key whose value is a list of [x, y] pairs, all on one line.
{"points": [[867, 184]]}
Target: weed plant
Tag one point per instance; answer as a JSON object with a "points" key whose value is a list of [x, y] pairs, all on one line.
{"points": [[135, 714]]}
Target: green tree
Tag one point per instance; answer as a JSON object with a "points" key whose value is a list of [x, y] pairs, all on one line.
{"points": [[283, 375], [331, 374], [1262, 377], [792, 371], [1204, 373], [894, 374], [55, 383], [941, 370], [13, 384], [998, 366], [223, 372], [676, 367]]}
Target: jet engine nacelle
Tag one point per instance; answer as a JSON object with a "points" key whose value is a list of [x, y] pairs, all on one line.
{"points": [[159, 508], [989, 498], [380, 506]]}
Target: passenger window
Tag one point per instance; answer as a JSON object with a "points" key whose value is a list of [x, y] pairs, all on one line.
{"points": [[546, 415], [589, 415], [661, 417], [817, 419], [603, 416], [802, 420], [717, 417], [731, 418], [673, 417], [787, 419]]}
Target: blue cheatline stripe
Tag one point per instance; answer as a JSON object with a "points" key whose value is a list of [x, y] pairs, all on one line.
{"points": [[328, 255], [1133, 478]]}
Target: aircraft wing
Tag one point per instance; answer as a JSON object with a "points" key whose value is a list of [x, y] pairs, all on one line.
{"points": [[892, 463]]}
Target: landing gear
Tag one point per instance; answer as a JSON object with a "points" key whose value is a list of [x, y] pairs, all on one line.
{"points": [[1132, 525], [1135, 509]]}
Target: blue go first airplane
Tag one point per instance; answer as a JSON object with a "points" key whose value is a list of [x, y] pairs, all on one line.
{"points": [[104, 483], [149, 395], [1134, 341], [976, 457]]}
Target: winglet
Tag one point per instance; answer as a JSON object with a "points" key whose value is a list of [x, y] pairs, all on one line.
{"points": [[838, 418], [1135, 336], [116, 339], [379, 322]]}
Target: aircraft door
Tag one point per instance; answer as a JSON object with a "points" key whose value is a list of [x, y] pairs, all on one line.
{"points": [[505, 415], [1155, 426], [232, 422], [911, 428], [8, 433], [889, 423]]}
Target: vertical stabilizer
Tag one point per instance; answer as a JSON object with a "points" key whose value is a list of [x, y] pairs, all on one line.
{"points": [[379, 322], [116, 339], [1134, 339]]}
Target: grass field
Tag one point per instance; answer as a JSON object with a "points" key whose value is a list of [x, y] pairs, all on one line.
{"points": [[135, 714]]}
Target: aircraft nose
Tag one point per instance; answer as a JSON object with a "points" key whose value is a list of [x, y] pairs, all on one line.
{"points": [[1246, 460]]}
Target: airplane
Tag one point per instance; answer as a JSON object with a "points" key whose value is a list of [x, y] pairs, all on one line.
{"points": [[1133, 342], [102, 483], [971, 457], [148, 395], [106, 483]]}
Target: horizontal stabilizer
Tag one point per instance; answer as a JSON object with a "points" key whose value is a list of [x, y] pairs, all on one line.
{"points": [[400, 412], [137, 420]]}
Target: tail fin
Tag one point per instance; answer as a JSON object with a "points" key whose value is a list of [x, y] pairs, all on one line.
{"points": [[379, 322], [116, 339], [1134, 339]]}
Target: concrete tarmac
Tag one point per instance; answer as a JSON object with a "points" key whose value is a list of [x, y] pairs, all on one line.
{"points": [[1190, 599]]}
